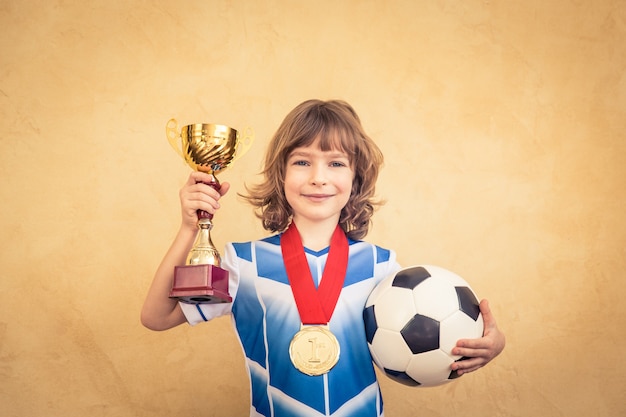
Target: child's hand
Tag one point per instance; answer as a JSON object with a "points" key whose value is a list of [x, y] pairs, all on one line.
{"points": [[482, 350], [196, 194]]}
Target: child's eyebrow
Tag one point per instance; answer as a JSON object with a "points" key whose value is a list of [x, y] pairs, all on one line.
{"points": [[330, 154], [339, 155], [298, 153]]}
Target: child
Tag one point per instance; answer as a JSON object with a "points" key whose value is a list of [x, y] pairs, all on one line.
{"points": [[301, 292]]}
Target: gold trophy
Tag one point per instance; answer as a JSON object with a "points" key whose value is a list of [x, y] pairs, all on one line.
{"points": [[207, 148]]}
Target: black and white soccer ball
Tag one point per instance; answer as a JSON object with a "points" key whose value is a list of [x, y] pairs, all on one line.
{"points": [[414, 318]]}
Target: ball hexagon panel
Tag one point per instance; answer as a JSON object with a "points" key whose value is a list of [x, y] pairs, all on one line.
{"points": [[435, 298], [458, 326], [430, 368], [390, 350], [442, 273], [394, 318]]}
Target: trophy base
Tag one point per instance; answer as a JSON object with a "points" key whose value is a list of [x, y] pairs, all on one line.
{"points": [[200, 284]]}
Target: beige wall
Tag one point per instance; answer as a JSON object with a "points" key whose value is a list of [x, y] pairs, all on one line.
{"points": [[503, 125]]}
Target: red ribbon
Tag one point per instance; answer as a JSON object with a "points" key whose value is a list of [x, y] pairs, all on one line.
{"points": [[315, 306]]}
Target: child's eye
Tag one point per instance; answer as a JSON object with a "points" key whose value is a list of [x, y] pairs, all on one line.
{"points": [[300, 162], [338, 164]]}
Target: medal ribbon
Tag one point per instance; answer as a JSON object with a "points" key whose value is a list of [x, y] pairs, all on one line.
{"points": [[315, 306]]}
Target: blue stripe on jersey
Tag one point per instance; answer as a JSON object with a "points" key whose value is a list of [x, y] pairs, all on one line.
{"points": [[274, 240], [244, 250], [272, 266], [201, 313], [360, 266], [382, 255], [246, 304], [259, 390]]}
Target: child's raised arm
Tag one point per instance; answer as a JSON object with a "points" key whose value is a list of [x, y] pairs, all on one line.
{"points": [[160, 312]]}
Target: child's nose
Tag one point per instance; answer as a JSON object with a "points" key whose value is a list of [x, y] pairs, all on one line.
{"points": [[319, 175]]}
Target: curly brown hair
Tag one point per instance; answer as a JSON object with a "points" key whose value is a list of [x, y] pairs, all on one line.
{"points": [[337, 126]]}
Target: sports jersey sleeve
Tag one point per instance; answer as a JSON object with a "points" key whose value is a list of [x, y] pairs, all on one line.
{"points": [[388, 263], [198, 313]]}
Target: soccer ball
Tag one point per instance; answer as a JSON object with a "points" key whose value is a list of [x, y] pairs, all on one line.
{"points": [[414, 318]]}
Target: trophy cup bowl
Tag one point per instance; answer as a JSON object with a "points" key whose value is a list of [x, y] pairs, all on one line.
{"points": [[207, 148]]}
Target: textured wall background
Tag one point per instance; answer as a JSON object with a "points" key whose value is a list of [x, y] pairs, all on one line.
{"points": [[503, 126]]}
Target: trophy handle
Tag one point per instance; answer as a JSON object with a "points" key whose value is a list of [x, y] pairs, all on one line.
{"points": [[173, 136], [244, 142]]}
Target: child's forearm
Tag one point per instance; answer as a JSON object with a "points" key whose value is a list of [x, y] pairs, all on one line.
{"points": [[160, 312]]}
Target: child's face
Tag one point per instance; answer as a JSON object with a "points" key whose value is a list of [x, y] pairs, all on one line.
{"points": [[317, 183]]}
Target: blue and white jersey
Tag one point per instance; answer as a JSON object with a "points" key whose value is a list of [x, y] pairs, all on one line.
{"points": [[266, 318]]}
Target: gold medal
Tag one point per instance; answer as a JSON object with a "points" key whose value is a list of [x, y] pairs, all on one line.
{"points": [[314, 350]]}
